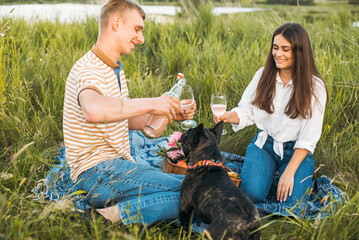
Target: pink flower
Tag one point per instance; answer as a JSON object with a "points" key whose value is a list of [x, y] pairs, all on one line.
{"points": [[176, 151], [175, 137], [175, 154]]}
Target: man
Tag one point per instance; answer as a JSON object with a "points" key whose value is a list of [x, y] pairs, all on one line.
{"points": [[98, 114]]}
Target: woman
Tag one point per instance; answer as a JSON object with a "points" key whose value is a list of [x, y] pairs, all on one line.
{"points": [[286, 100]]}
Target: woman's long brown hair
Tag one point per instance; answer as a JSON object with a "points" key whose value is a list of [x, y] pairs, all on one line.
{"points": [[303, 70]]}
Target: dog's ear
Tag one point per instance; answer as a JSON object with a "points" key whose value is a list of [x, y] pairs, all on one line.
{"points": [[199, 132], [217, 131], [191, 138]]}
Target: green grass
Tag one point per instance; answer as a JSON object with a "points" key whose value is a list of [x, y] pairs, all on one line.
{"points": [[214, 53]]}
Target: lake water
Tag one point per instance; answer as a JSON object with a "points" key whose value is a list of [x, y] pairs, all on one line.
{"points": [[68, 12]]}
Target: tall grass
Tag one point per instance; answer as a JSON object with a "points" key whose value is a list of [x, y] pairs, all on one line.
{"points": [[214, 53]]}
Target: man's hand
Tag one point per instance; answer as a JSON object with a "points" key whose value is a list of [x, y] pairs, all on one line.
{"points": [[186, 114], [166, 105]]}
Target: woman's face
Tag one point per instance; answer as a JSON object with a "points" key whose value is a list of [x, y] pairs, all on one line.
{"points": [[282, 52]]}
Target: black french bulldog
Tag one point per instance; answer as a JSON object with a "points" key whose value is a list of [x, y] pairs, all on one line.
{"points": [[209, 191]]}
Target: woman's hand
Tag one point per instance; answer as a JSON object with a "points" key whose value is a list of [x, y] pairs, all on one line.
{"points": [[186, 114], [286, 181], [230, 117], [285, 186]]}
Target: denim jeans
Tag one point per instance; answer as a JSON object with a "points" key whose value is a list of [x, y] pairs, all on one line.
{"points": [[143, 194], [260, 165]]}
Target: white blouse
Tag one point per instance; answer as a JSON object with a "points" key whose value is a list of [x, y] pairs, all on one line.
{"points": [[305, 132]]}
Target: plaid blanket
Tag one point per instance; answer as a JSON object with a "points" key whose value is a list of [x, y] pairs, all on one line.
{"points": [[324, 198]]}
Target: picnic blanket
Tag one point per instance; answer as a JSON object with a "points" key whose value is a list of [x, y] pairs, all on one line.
{"points": [[324, 198]]}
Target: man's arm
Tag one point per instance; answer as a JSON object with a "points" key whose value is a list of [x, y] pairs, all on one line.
{"points": [[97, 108], [138, 123]]}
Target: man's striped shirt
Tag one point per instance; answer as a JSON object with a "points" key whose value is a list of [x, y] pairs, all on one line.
{"points": [[88, 144]]}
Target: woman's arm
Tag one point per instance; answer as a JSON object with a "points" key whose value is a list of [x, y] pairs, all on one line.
{"points": [[242, 115], [286, 181], [307, 139], [311, 128]]}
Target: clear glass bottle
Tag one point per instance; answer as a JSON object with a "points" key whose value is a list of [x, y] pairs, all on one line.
{"points": [[156, 124]]}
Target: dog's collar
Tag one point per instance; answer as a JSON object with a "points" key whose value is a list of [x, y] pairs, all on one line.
{"points": [[210, 162]]}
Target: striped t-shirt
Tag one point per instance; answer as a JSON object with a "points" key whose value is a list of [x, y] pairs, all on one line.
{"points": [[88, 144]]}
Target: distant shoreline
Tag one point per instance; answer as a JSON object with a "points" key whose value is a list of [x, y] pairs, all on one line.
{"points": [[72, 12]]}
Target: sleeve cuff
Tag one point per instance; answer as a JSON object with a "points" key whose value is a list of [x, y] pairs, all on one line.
{"points": [[305, 145], [97, 89], [241, 124]]}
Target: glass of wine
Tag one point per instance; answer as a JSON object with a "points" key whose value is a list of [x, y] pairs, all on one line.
{"points": [[219, 105], [187, 100]]}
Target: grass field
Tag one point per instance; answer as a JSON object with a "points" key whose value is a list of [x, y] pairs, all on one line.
{"points": [[214, 53]]}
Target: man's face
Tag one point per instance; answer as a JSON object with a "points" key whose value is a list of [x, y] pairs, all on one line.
{"points": [[129, 33]]}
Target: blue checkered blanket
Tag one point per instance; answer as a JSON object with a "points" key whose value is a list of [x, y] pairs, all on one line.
{"points": [[324, 198]]}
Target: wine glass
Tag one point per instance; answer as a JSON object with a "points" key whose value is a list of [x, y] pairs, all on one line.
{"points": [[187, 100], [219, 105]]}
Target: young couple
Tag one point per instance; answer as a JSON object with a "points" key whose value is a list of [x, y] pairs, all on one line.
{"points": [[285, 99]]}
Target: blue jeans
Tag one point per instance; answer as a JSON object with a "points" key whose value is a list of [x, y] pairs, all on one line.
{"points": [[260, 165], [143, 194]]}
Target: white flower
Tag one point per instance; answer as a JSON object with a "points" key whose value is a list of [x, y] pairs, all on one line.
{"points": [[6, 176]]}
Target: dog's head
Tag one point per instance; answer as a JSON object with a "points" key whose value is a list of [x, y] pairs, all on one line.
{"points": [[201, 143]]}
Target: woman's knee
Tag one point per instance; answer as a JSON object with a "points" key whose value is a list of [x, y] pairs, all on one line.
{"points": [[256, 193], [302, 187], [257, 173]]}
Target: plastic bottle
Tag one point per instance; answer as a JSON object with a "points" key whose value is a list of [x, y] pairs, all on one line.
{"points": [[156, 124]]}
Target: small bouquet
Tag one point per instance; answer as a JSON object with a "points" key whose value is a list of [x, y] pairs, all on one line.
{"points": [[173, 150]]}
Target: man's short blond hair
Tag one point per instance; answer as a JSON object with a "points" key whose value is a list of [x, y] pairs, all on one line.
{"points": [[118, 6]]}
